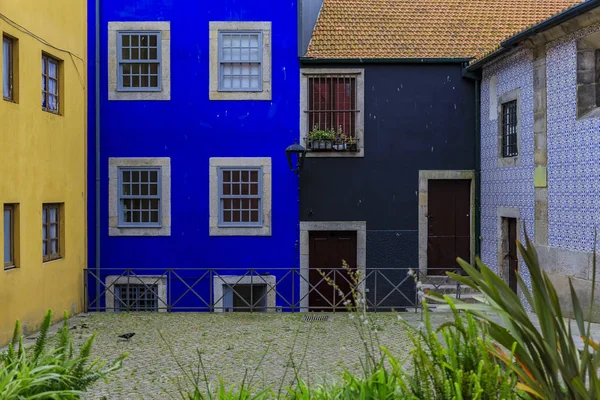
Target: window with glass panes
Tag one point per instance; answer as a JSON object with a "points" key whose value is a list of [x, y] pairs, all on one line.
{"points": [[140, 197], [50, 95], [240, 196], [139, 61], [9, 236], [509, 129], [240, 61], [51, 232], [7, 68]]}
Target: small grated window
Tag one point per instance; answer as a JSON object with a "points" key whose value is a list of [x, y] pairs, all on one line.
{"points": [[509, 129], [136, 297], [139, 61], [240, 192], [240, 59], [140, 197]]}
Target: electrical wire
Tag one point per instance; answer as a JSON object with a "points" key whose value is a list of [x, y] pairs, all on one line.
{"points": [[45, 42]]}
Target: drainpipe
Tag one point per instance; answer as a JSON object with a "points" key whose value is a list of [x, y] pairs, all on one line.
{"points": [[97, 133], [478, 167]]}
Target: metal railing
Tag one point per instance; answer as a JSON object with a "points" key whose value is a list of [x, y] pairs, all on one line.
{"points": [[258, 290]]}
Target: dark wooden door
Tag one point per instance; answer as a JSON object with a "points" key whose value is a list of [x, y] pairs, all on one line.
{"points": [[513, 260], [448, 224], [326, 252]]}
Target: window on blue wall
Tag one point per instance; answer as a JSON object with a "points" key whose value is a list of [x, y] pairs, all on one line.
{"points": [[240, 61], [140, 197], [509, 129], [240, 196], [139, 61]]}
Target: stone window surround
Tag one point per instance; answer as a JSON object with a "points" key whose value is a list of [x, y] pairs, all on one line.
{"points": [[424, 177], [270, 281], [588, 67], [305, 73], [502, 237], [513, 95], [360, 227], [215, 163], [165, 28], [113, 196], [265, 28], [159, 280]]}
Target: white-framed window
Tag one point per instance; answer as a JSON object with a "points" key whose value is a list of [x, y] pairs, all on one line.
{"points": [[139, 196], [332, 117], [240, 196], [139, 60], [240, 60]]}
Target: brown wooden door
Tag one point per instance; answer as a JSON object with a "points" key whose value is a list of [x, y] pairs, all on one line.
{"points": [[326, 252], [448, 224], [513, 260]]}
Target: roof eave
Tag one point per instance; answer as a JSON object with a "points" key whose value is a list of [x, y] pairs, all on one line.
{"points": [[545, 25], [441, 60]]}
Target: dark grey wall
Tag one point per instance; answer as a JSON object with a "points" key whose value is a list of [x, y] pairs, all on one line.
{"points": [[308, 11], [417, 117]]}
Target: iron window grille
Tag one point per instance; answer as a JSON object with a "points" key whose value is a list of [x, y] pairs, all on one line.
{"points": [[140, 197], [509, 129], [9, 236], [51, 245], [240, 61], [245, 298], [7, 68], [240, 197], [139, 61], [136, 297], [50, 92], [332, 103]]}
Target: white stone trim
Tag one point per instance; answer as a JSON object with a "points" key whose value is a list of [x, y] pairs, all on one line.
{"points": [[214, 28], [165, 28], [113, 196], [270, 281], [305, 73], [215, 163], [514, 94], [424, 177], [159, 280], [360, 227]]}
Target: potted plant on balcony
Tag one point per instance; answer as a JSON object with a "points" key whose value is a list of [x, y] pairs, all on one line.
{"points": [[352, 145], [340, 140], [320, 140]]}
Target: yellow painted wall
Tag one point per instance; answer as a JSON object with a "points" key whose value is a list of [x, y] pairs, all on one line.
{"points": [[43, 160]]}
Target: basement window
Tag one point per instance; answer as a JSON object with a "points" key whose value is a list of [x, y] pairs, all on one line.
{"points": [[245, 298], [136, 297]]}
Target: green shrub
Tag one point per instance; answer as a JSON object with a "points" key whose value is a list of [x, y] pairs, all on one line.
{"points": [[457, 366], [546, 359], [49, 373]]}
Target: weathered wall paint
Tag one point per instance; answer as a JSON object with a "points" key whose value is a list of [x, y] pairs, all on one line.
{"points": [[190, 129], [417, 117], [44, 161]]}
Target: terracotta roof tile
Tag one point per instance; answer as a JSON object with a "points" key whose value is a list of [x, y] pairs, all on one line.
{"points": [[423, 28]]}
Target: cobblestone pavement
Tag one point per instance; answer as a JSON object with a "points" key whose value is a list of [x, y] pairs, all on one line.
{"points": [[230, 344]]}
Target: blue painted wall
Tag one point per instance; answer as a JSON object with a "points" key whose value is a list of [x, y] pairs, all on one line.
{"points": [[190, 129]]}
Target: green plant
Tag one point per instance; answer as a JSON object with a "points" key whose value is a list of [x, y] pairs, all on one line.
{"points": [[546, 359], [49, 373], [453, 362]]}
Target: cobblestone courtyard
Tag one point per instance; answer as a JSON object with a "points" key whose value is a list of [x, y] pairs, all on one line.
{"points": [[230, 344]]}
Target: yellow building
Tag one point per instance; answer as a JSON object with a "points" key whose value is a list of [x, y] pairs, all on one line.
{"points": [[42, 160]]}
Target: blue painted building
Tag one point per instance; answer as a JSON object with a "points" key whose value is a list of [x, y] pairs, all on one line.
{"points": [[192, 110]]}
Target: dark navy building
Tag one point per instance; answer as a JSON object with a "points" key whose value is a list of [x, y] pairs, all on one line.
{"points": [[192, 205]]}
